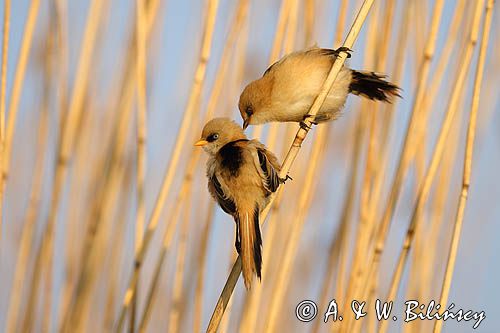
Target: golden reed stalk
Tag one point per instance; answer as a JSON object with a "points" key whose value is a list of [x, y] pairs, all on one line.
{"points": [[3, 88], [28, 230], [292, 154], [178, 283], [17, 86], [469, 149], [202, 259], [141, 123]]}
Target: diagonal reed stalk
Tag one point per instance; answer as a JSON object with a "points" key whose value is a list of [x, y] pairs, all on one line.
{"points": [[225, 321], [141, 36], [3, 89], [469, 149], [202, 259], [28, 231], [180, 142], [424, 188], [174, 316], [292, 154], [17, 86]]}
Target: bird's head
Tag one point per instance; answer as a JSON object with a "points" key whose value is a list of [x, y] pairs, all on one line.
{"points": [[253, 102], [218, 132]]}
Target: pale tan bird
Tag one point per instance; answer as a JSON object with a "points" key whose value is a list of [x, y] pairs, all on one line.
{"points": [[288, 88], [241, 175]]}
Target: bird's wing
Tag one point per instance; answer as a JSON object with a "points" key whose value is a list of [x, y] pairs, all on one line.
{"points": [[271, 67], [313, 51], [325, 52], [215, 188], [276, 63], [268, 166]]}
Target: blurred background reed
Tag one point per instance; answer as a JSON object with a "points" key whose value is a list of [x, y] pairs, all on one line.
{"points": [[107, 224]]}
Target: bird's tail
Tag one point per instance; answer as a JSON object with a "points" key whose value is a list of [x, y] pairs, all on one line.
{"points": [[373, 86], [251, 243]]}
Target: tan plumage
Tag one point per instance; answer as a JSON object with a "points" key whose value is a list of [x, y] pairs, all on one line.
{"points": [[288, 88], [241, 175]]}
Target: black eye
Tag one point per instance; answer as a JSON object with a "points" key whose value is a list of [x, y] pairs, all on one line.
{"points": [[212, 137], [249, 110]]}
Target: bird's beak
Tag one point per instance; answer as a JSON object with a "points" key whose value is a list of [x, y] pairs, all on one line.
{"points": [[201, 143], [246, 122]]}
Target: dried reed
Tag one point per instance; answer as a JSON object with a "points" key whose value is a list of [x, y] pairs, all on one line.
{"points": [[471, 132], [3, 88], [78, 182]]}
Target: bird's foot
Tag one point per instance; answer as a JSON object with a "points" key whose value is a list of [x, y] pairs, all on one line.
{"points": [[304, 126], [343, 49], [311, 119], [283, 180]]}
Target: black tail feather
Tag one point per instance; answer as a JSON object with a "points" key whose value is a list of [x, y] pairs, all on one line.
{"points": [[373, 86], [257, 249]]}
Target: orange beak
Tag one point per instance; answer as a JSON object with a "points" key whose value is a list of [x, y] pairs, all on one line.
{"points": [[201, 143]]}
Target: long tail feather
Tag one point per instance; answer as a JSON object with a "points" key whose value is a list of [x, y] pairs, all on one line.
{"points": [[251, 245], [373, 86]]}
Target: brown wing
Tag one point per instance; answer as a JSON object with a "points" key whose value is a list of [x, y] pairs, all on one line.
{"points": [[269, 166], [224, 202]]}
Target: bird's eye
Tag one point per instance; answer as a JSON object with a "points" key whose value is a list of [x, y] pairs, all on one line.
{"points": [[212, 137], [249, 110]]}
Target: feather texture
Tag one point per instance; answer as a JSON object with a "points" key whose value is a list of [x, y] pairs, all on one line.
{"points": [[241, 175]]}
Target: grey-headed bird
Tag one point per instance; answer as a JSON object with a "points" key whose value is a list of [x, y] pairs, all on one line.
{"points": [[241, 175], [288, 88]]}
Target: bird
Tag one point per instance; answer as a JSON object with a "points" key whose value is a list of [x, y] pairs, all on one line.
{"points": [[241, 174], [288, 88]]}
